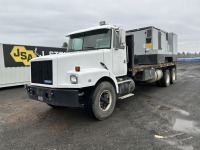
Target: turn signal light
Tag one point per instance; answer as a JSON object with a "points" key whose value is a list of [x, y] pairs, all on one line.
{"points": [[77, 68]]}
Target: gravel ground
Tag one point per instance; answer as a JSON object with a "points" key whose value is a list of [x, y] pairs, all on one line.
{"points": [[154, 118]]}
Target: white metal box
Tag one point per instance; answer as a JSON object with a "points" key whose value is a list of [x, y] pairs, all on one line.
{"points": [[151, 45]]}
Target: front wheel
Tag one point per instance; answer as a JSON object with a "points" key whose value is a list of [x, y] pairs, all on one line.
{"points": [[102, 101]]}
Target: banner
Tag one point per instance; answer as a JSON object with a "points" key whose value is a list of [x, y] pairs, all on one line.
{"points": [[20, 55]]}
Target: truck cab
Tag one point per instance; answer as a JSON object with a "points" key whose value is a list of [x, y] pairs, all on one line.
{"points": [[106, 39], [96, 58]]}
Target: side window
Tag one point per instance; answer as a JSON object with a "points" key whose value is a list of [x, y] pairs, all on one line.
{"points": [[116, 42], [77, 43]]}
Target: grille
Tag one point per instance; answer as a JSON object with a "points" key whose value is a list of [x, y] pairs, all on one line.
{"points": [[42, 72]]}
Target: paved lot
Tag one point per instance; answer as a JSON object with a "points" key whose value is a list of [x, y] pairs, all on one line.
{"points": [[155, 118]]}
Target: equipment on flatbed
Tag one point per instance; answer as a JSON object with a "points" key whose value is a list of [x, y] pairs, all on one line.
{"points": [[151, 45], [102, 65]]}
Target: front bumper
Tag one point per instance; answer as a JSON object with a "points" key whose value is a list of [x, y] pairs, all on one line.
{"points": [[54, 96]]}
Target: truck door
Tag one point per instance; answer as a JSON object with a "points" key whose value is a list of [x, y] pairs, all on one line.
{"points": [[119, 55]]}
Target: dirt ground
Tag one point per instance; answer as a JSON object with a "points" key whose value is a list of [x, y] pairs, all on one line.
{"points": [[154, 118]]}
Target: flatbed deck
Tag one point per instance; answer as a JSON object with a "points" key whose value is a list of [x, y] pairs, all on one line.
{"points": [[139, 68]]}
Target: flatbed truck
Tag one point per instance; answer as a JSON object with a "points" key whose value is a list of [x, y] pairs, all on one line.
{"points": [[102, 65]]}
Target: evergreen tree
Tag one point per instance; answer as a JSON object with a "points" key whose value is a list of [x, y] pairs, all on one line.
{"points": [[179, 55], [65, 45], [183, 54]]}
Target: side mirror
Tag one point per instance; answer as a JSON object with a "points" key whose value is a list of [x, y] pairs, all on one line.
{"points": [[122, 38]]}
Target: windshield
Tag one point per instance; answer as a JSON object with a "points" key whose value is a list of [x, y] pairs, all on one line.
{"points": [[97, 39]]}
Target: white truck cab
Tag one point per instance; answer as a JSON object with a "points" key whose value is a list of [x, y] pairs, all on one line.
{"points": [[96, 57]]}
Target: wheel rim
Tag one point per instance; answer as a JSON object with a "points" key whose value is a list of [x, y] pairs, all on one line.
{"points": [[105, 100], [173, 76], [167, 79]]}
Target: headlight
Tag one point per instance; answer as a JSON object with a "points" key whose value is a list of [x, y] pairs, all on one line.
{"points": [[74, 79]]}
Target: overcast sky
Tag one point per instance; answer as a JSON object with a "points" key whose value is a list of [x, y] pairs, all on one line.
{"points": [[46, 22]]}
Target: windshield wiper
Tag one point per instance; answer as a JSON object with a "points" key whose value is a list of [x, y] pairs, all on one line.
{"points": [[70, 50], [90, 47]]}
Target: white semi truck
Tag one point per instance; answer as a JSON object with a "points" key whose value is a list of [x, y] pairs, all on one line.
{"points": [[102, 65]]}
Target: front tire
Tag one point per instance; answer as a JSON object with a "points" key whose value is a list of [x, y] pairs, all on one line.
{"points": [[101, 103]]}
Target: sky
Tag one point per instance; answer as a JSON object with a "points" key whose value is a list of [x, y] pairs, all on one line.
{"points": [[47, 22]]}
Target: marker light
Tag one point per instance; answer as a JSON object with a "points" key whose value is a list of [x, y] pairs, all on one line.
{"points": [[77, 68]]}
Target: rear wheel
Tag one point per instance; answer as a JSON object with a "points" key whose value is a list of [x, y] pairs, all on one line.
{"points": [[158, 83], [101, 102], [165, 80], [173, 75]]}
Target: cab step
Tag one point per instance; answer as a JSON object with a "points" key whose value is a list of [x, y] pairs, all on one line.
{"points": [[126, 96]]}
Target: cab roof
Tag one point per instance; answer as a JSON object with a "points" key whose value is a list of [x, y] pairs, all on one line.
{"points": [[93, 28]]}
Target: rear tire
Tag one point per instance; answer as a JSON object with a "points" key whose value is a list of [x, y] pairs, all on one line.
{"points": [[158, 83], [173, 75], [101, 102], [165, 80]]}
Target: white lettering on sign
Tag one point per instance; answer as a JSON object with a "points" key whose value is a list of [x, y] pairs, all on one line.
{"points": [[50, 52], [55, 52]]}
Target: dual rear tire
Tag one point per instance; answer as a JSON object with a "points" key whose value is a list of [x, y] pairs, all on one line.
{"points": [[169, 77], [173, 75]]}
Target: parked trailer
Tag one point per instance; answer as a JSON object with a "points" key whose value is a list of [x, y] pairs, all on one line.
{"points": [[15, 62], [102, 65]]}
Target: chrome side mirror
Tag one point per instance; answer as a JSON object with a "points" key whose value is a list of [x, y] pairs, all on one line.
{"points": [[122, 38]]}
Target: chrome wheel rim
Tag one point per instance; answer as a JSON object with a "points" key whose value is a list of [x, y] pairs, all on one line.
{"points": [[105, 100], [173, 76], [167, 79]]}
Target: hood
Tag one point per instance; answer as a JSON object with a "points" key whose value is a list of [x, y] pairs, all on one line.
{"points": [[84, 59], [63, 64]]}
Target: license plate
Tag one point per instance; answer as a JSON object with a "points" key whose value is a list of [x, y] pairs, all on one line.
{"points": [[39, 91], [40, 98]]}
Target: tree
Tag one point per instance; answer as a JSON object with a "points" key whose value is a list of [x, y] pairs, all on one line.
{"points": [[187, 54], [179, 55], [183, 54], [65, 45]]}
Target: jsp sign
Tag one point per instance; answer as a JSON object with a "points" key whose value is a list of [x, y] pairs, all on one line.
{"points": [[18, 56]]}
